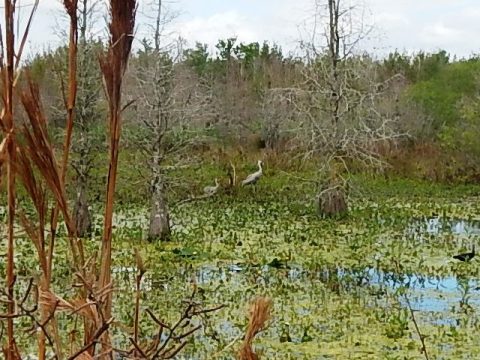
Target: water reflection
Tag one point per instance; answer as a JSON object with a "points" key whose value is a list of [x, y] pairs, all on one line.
{"points": [[437, 225], [426, 294]]}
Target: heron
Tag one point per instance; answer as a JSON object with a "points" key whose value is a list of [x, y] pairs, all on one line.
{"points": [[210, 190], [253, 178], [466, 256]]}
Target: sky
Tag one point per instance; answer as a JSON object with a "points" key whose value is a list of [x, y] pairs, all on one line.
{"points": [[406, 25]]}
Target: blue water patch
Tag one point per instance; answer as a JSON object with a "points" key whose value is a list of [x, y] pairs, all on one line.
{"points": [[437, 225], [441, 299], [446, 295]]}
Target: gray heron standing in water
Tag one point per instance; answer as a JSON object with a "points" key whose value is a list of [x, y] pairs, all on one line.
{"points": [[254, 177]]}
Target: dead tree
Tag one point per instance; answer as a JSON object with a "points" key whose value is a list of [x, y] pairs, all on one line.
{"points": [[279, 114], [154, 73], [159, 227], [343, 123], [87, 113]]}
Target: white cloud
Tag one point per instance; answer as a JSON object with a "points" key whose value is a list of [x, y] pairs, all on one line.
{"points": [[428, 25], [391, 20], [400, 24], [433, 33], [218, 26]]}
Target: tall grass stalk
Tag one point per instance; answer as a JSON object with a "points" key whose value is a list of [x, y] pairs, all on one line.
{"points": [[113, 65], [9, 127]]}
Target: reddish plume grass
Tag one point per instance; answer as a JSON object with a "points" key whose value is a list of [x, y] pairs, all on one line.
{"points": [[29, 155], [8, 127], [113, 65], [259, 315]]}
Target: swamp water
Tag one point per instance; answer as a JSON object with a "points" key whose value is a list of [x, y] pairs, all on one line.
{"points": [[340, 289], [325, 310]]}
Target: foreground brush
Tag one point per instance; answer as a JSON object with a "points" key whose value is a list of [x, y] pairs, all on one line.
{"points": [[259, 315], [113, 65]]}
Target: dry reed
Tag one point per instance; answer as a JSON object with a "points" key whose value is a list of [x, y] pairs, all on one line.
{"points": [[9, 128], [32, 159], [113, 65], [39, 151], [259, 315]]}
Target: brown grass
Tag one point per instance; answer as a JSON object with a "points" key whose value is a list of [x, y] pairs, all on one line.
{"points": [[259, 315], [113, 65], [9, 128], [30, 156]]}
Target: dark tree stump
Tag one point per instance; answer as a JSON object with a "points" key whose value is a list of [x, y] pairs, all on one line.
{"points": [[332, 202]]}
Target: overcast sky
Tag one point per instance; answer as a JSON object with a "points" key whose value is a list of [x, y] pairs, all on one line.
{"points": [[406, 25]]}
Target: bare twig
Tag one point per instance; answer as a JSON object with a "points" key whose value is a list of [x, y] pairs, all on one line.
{"points": [[417, 329], [96, 336], [160, 348]]}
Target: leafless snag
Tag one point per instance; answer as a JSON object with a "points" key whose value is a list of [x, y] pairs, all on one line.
{"points": [[87, 111], [160, 108], [338, 101]]}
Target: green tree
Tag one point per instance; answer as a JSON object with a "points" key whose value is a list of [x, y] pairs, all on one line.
{"points": [[440, 95], [197, 58]]}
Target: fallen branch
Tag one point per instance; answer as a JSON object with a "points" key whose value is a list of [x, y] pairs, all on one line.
{"points": [[194, 198]]}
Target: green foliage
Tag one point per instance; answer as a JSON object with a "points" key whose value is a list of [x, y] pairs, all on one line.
{"points": [[198, 58], [419, 67], [426, 66], [464, 136], [251, 58], [397, 63], [38, 67], [441, 94], [226, 48]]}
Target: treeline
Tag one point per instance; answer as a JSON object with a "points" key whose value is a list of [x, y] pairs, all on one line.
{"points": [[241, 94]]}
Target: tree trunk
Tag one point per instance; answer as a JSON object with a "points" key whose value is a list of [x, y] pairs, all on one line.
{"points": [[271, 135], [334, 50], [159, 228], [332, 202], [82, 166], [83, 219]]}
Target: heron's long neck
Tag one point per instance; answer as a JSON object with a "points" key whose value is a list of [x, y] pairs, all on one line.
{"points": [[260, 167]]}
